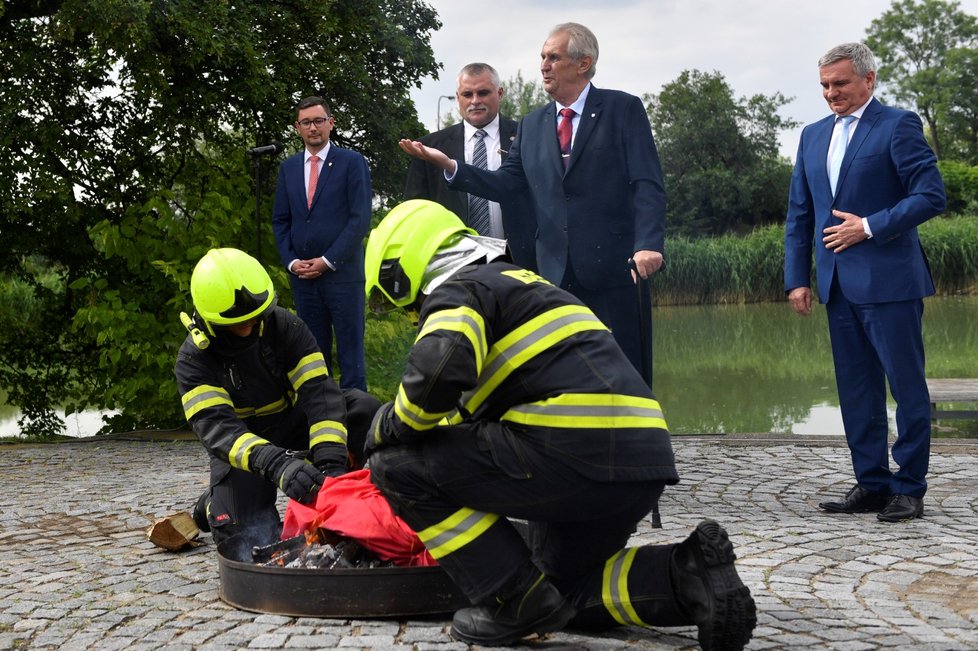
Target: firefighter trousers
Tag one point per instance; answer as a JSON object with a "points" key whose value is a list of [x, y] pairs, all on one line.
{"points": [[459, 485]]}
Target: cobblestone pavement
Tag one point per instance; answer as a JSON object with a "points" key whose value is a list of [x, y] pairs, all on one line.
{"points": [[77, 571]]}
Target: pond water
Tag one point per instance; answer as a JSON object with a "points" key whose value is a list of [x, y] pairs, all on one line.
{"points": [[761, 368], [754, 368]]}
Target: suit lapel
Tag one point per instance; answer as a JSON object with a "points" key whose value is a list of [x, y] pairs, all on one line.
{"points": [[455, 147], [592, 111], [507, 134], [820, 149], [863, 127], [323, 173], [548, 128]]}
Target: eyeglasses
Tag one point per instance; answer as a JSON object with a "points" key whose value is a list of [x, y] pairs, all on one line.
{"points": [[305, 124]]}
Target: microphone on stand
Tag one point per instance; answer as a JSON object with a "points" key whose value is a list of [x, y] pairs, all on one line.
{"points": [[275, 148]]}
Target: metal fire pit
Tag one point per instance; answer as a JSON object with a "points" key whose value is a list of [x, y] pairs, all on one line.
{"points": [[332, 593]]}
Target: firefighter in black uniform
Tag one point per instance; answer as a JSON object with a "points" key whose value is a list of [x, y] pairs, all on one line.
{"points": [[257, 393], [517, 403]]}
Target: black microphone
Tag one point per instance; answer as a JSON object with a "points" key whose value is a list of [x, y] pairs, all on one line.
{"points": [[274, 149]]}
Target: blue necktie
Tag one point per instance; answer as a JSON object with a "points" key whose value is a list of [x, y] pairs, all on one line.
{"points": [[839, 152], [478, 206]]}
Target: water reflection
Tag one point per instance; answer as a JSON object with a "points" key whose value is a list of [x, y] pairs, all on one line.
{"points": [[761, 368], [749, 369]]}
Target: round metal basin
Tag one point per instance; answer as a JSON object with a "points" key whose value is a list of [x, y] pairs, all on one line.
{"points": [[336, 593]]}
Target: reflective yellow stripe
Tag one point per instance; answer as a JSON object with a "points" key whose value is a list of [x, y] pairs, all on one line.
{"points": [[526, 342], [464, 320], [589, 411], [414, 416], [614, 588], [273, 408], [326, 431], [204, 397], [311, 366], [240, 454], [456, 531]]}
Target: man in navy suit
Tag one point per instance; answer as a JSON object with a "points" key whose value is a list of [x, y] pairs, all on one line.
{"points": [[862, 213], [321, 215], [478, 94], [597, 204]]}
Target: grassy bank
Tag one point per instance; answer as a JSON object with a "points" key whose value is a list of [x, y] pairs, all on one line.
{"points": [[734, 269]]}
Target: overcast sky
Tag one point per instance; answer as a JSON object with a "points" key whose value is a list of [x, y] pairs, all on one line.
{"points": [[760, 46]]}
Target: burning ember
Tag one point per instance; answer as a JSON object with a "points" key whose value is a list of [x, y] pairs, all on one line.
{"points": [[317, 548]]}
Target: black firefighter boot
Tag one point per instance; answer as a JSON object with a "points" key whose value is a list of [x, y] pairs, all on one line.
{"points": [[535, 606], [709, 590], [200, 511]]}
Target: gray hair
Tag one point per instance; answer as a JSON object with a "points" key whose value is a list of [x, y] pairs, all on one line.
{"points": [[581, 43], [861, 56], [476, 69]]}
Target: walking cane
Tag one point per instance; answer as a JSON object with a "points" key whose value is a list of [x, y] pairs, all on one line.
{"points": [[645, 331]]}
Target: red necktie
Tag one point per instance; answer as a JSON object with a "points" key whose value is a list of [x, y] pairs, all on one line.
{"points": [[564, 132], [313, 179]]}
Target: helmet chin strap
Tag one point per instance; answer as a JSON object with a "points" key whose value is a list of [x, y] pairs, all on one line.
{"points": [[463, 252]]}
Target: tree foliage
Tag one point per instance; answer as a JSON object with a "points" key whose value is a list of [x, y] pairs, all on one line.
{"points": [[521, 96], [719, 155], [913, 40], [123, 127]]}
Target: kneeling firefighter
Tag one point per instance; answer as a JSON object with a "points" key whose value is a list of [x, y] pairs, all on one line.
{"points": [[516, 402], [257, 393]]}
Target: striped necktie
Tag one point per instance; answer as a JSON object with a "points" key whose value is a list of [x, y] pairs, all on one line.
{"points": [[479, 206]]}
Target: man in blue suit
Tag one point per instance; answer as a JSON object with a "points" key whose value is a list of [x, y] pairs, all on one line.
{"points": [[320, 217], [599, 200], [864, 179]]}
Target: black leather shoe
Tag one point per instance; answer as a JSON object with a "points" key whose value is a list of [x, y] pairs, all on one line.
{"points": [[857, 500], [540, 609], [901, 508], [709, 590]]}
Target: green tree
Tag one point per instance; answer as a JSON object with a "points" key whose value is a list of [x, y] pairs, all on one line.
{"points": [[912, 40], [521, 96], [959, 78], [719, 155], [123, 126]]}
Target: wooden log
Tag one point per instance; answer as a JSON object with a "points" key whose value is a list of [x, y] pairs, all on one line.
{"points": [[174, 532]]}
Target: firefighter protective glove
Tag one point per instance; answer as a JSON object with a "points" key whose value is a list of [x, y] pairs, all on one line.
{"points": [[330, 458], [295, 477], [380, 433]]}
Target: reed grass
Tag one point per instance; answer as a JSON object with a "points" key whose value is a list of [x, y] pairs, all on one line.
{"points": [[749, 269]]}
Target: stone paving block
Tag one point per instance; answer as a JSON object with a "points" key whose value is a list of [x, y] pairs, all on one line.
{"points": [[268, 641], [312, 641], [820, 581]]}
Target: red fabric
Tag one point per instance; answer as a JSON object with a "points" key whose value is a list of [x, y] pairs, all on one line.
{"points": [[352, 506]]}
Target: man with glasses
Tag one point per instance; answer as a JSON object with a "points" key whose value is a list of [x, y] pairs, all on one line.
{"points": [[320, 217]]}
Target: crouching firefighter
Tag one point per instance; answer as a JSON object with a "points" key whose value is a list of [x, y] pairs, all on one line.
{"points": [[516, 402], [257, 393]]}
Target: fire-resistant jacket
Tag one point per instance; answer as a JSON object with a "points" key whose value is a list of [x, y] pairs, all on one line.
{"points": [[499, 343], [237, 387]]}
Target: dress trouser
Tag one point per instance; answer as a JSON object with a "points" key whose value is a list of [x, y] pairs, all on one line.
{"points": [[618, 308], [467, 480], [872, 344], [329, 308], [239, 501]]}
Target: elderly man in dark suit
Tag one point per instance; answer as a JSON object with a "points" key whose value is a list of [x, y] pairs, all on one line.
{"points": [[478, 95], [864, 179], [320, 217], [591, 167]]}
